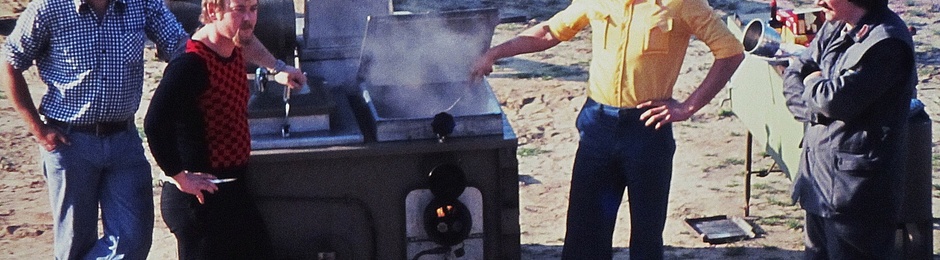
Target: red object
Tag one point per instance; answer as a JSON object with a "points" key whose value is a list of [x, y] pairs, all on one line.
{"points": [[774, 19], [802, 22]]}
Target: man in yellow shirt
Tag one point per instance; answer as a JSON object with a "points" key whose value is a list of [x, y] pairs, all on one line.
{"points": [[625, 125]]}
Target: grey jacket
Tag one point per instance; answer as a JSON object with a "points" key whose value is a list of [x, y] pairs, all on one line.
{"points": [[855, 115]]}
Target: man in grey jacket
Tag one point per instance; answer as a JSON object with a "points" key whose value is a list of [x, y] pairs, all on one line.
{"points": [[852, 88]]}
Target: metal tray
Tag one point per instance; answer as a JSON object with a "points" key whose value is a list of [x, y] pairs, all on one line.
{"points": [[406, 112], [722, 229], [416, 66]]}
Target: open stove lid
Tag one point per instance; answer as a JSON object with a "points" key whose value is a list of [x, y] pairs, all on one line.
{"points": [[418, 49]]}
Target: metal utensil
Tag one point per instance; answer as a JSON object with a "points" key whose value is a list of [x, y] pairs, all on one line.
{"points": [[285, 130], [217, 181], [454, 104], [465, 89]]}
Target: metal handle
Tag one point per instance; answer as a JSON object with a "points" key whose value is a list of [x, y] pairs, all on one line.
{"points": [[261, 78]]}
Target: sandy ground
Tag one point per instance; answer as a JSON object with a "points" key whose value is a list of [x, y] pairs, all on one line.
{"points": [[541, 95]]}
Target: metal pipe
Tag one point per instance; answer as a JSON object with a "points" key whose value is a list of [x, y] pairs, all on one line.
{"points": [[747, 175]]}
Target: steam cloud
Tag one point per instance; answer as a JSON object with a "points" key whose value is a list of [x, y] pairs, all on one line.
{"points": [[422, 62]]}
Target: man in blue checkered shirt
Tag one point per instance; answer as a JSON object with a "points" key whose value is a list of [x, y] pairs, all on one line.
{"points": [[90, 55]]}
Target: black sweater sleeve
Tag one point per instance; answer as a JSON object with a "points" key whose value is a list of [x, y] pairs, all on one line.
{"points": [[174, 123]]}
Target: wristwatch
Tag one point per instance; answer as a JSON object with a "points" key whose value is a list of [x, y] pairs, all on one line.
{"points": [[279, 66]]}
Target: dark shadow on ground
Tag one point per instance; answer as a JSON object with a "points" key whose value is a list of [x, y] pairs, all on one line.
{"points": [[725, 251], [522, 68]]}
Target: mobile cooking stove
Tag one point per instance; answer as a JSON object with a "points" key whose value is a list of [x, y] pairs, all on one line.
{"points": [[366, 171]]}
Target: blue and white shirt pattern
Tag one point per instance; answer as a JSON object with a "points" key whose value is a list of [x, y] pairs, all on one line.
{"points": [[93, 67]]}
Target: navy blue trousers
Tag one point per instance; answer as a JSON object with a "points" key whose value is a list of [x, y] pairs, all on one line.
{"points": [[617, 153]]}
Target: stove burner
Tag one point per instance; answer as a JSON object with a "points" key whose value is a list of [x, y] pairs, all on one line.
{"points": [[447, 221]]}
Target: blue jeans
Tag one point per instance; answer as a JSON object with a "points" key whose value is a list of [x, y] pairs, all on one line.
{"points": [[618, 152], [108, 171]]}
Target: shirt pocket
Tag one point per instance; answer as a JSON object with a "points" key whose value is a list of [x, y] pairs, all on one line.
{"points": [[657, 35], [857, 164], [132, 42], [858, 184], [613, 30]]}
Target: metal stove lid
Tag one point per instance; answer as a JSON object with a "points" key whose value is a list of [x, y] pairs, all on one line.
{"points": [[418, 49]]}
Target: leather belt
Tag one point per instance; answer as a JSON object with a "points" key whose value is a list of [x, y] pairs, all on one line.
{"points": [[102, 129]]}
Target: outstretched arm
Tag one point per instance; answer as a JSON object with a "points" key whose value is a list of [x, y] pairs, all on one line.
{"points": [[535, 39]]}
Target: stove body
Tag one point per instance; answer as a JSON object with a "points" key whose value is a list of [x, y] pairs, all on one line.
{"points": [[359, 201], [352, 180]]}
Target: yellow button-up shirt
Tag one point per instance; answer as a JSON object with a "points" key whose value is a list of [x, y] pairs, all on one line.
{"points": [[639, 45]]}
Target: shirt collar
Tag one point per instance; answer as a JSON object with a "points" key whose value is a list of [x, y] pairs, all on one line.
{"points": [[864, 25], [82, 5]]}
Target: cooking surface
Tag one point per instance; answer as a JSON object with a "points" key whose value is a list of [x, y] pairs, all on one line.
{"points": [[425, 101], [414, 67], [407, 112]]}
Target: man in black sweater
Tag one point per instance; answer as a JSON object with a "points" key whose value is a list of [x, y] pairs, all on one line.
{"points": [[197, 128]]}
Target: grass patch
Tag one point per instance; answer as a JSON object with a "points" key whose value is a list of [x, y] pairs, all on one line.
{"points": [[917, 12], [771, 221], [140, 132], [725, 113], [935, 160], [761, 186], [925, 71], [3, 95], [794, 224], [778, 203], [736, 134], [526, 152], [733, 161], [733, 185]]}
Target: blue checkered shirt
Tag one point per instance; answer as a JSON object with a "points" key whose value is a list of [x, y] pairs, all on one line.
{"points": [[93, 68]]}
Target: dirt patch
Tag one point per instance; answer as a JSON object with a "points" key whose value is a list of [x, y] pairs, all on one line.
{"points": [[541, 95]]}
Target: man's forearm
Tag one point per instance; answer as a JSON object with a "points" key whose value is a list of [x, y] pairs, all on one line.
{"points": [[535, 39], [15, 84], [717, 78], [257, 54]]}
